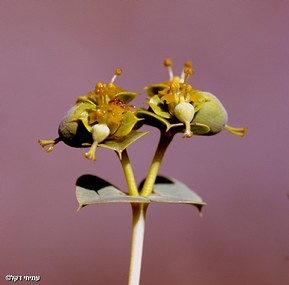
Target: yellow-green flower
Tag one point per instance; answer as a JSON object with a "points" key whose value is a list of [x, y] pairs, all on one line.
{"points": [[104, 114], [177, 103]]}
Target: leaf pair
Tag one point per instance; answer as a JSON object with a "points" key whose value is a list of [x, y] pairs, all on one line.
{"points": [[91, 190]]}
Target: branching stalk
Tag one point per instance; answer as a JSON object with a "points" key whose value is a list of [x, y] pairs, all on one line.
{"points": [[165, 140], [139, 209], [129, 174]]}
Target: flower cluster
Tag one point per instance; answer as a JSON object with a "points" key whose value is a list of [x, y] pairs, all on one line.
{"points": [[104, 114], [104, 117], [176, 101]]}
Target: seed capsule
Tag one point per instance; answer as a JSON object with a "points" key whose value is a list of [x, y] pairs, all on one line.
{"points": [[71, 129], [213, 114]]}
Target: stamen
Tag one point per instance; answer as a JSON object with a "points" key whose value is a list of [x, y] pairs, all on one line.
{"points": [[168, 64], [188, 88], [175, 86], [99, 88], [183, 96], [117, 73], [188, 71], [187, 65]]}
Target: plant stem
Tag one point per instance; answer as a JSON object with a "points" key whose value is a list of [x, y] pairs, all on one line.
{"points": [[138, 222], [129, 174], [138, 228], [165, 140], [139, 209]]}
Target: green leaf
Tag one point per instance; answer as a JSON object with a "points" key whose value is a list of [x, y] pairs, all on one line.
{"points": [[91, 190], [119, 145], [170, 190]]}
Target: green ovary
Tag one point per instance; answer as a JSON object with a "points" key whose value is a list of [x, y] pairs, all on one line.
{"points": [[213, 114]]}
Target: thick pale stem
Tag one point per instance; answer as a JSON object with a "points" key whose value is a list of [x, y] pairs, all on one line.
{"points": [[138, 229], [139, 209], [164, 142], [129, 174]]}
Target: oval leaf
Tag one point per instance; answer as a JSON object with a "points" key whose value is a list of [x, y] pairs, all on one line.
{"points": [[170, 190], [91, 190]]}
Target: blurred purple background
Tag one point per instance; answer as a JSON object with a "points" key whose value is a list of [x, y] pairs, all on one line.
{"points": [[53, 51]]}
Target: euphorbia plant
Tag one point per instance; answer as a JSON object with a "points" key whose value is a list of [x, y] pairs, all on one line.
{"points": [[105, 118]]}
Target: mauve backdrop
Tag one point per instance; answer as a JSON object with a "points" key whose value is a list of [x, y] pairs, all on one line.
{"points": [[53, 51]]}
